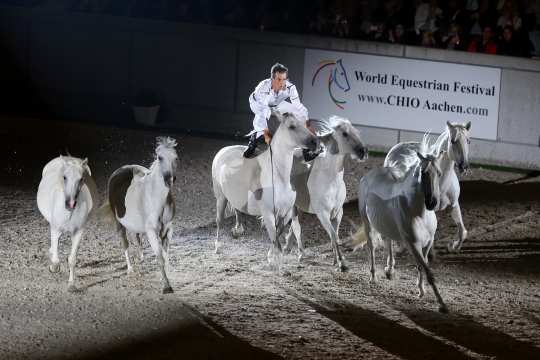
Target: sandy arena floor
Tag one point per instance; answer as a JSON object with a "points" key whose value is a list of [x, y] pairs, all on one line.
{"points": [[233, 305]]}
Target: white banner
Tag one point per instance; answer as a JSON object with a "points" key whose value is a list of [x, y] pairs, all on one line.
{"points": [[400, 93]]}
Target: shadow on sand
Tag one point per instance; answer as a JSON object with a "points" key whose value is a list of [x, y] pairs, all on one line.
{"points": [[472, 335], [387, 334], [196, 337]]}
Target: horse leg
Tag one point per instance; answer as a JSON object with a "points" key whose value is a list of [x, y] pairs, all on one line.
{"points": [[371, 249], [324, 218], [125, 246], [138, 237], [238, 228], [155, 243], [274, 253], [221, 204], [53, 250], [72, 259], [462, 232], [416, 250], [295, 230], [390, 260], [166, 241]]}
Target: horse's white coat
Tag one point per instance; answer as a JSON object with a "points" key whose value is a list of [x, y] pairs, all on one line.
{"points": [[141, 201], [261, 186], [320, 186], [66, 198], [455, 141], [401, 210]]}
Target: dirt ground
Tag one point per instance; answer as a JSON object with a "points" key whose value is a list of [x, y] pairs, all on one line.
{"points": [[233, 305]]}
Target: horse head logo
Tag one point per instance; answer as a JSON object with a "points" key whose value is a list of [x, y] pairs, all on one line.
{"points": [[337, 76]]}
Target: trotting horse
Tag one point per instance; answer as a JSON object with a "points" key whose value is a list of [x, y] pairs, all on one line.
{"points": [[319, 186], [141, 201], [66, 197], [261, 186], [455, 141], [401, 209]]}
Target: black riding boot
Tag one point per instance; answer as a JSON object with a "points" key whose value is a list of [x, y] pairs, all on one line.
{"points": [[251, 147], [310, 154]]}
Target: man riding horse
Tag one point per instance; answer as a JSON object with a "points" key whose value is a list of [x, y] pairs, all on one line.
{"points": [[279, 93]]}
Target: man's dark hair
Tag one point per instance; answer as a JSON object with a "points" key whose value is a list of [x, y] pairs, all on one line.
{"points": [[278, 68]]}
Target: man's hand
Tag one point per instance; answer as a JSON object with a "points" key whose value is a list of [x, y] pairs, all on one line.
{"points": [[267, 136]]}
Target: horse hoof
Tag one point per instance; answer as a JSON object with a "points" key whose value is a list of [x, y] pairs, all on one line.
{"points": [[443, 309], [389, 275], [373, 279], [54, 268], [167, 290], [342, 268]]}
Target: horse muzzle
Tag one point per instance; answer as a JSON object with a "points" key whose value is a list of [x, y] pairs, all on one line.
{"points": [[431, 203], [313, 143], [463, 167], [70, 204], [361, 152]]}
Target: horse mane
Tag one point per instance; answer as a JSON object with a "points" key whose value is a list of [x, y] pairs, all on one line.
{"points": [[165, 142], [409, 159], [326, 126], [440, 142]]}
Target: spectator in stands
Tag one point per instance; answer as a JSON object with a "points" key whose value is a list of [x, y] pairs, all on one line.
{"points": [[452, 40], [427, 17], [485, 43], [509, 16], [508, 44]]}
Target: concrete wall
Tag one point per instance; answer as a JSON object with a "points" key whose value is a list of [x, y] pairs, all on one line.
{"points": [[89, 67]]}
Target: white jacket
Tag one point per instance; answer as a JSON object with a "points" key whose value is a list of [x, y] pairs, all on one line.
{"points": [[263, 98]]}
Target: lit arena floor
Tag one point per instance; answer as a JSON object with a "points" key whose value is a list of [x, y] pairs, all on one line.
{"points": [[233, 305]]}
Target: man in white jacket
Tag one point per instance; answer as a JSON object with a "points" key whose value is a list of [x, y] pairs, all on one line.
{"points": [[278, 92]]}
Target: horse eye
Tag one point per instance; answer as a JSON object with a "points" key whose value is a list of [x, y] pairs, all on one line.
{"points": [[160, 158], [65, 178], [292, 127], [345, 134]]}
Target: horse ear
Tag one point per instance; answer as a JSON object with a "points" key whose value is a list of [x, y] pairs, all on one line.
{"points": [[449, 124], [420, 156], [85, 166], [468, 126]]}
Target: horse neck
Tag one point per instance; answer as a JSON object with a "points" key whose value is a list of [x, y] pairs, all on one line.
{"points": [[282, 160], [157, 181], [332, 163], [412, 189]]}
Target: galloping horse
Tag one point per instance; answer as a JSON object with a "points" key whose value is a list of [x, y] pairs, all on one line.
{"points": [[319, 186], [261, 186], [455, 141], [141, 201], [401, 209], [66, 198]]}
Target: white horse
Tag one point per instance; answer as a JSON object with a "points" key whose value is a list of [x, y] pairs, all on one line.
{"points": [[402, 210], [455, 141], [66, 198], [319, 186], [261, 186], [141, 201]]}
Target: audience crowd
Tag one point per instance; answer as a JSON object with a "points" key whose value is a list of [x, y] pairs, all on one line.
{"points": [[483, 26]]}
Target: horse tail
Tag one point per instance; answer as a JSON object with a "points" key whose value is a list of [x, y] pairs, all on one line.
{"points": [[359, 239]]}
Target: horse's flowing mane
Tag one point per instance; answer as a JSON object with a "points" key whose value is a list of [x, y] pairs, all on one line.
{"points": [[408, 158], [165, 142], [326, 126]]}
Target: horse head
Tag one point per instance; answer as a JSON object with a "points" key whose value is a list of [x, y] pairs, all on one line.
{"points": [[167, 159], [73, 171], [429, 180], [458, 146], [347, 138], [291, 131]]}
